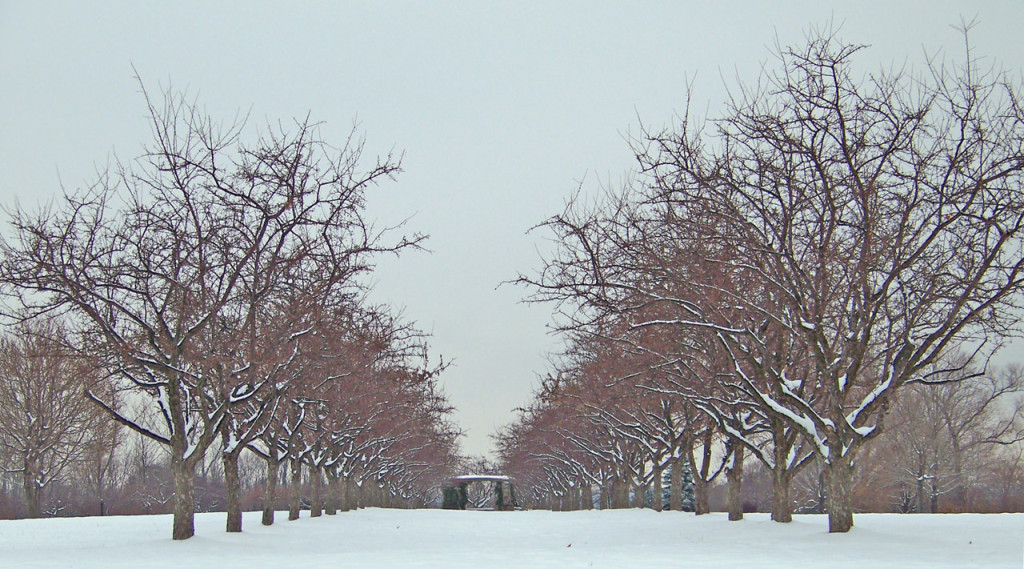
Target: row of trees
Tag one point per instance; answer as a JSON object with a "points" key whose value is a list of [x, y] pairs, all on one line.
{"points": [[378, 427], [772, 280], [605, 430], [216, 287]]}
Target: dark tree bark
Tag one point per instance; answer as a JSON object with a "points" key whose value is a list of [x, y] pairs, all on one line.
{"points": [[676, 481], [233, 489], [316, 501], [270, 495], [333, 491], [33, 493], [295, 501], [700, 472], [345, 494], [734, 476], [637, 498], [782, 506], [620, 493], [184, 474], [839, 484], [701, 496], [657, 504]]}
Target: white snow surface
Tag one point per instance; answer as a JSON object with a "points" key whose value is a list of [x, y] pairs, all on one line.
{"points": [[454, 539]]}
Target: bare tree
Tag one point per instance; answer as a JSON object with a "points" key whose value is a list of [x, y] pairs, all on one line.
{"points": [[880, 218], [156, 252], [940, 440], [886, 215], [102, 470], [45, 419]]}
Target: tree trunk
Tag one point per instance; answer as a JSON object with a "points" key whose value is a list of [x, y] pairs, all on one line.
{"points": [[734, 475], [620, 493], [364, 494], [960, 497], [344, 498], [270, 495], [33, 493], [369, 495], [316, 502], [701, 496], [33, 499], [588, 496], [839, 479], [640, 487], [701, 485], [656, 498], [333, 485], [295, 501], [676, 483], [921, 507], [782, 506], [234, 492], [184, 474]]}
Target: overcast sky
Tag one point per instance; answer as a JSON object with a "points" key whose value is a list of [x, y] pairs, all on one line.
{"points": [[501, 110]]}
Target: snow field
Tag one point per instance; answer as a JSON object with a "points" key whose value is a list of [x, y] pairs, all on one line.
{"points": [[454, 539]]}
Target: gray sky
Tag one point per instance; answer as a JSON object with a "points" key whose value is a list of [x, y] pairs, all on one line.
{"points": [[502, 110]]}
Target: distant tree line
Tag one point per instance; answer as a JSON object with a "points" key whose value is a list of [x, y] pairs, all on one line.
{"points": [[811, 285], [210, 298]]}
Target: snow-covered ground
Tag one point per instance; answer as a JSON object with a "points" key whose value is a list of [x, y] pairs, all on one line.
{"points": [[451, 539]]}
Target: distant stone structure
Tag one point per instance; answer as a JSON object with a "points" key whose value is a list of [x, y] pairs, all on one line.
{"points": [[456, 492]]}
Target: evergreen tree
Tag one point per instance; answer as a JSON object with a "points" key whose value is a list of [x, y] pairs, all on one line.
{"points": [[666, 488]]}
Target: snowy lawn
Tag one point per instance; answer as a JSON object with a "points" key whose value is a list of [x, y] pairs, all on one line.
{"points": [[438, 538]]}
